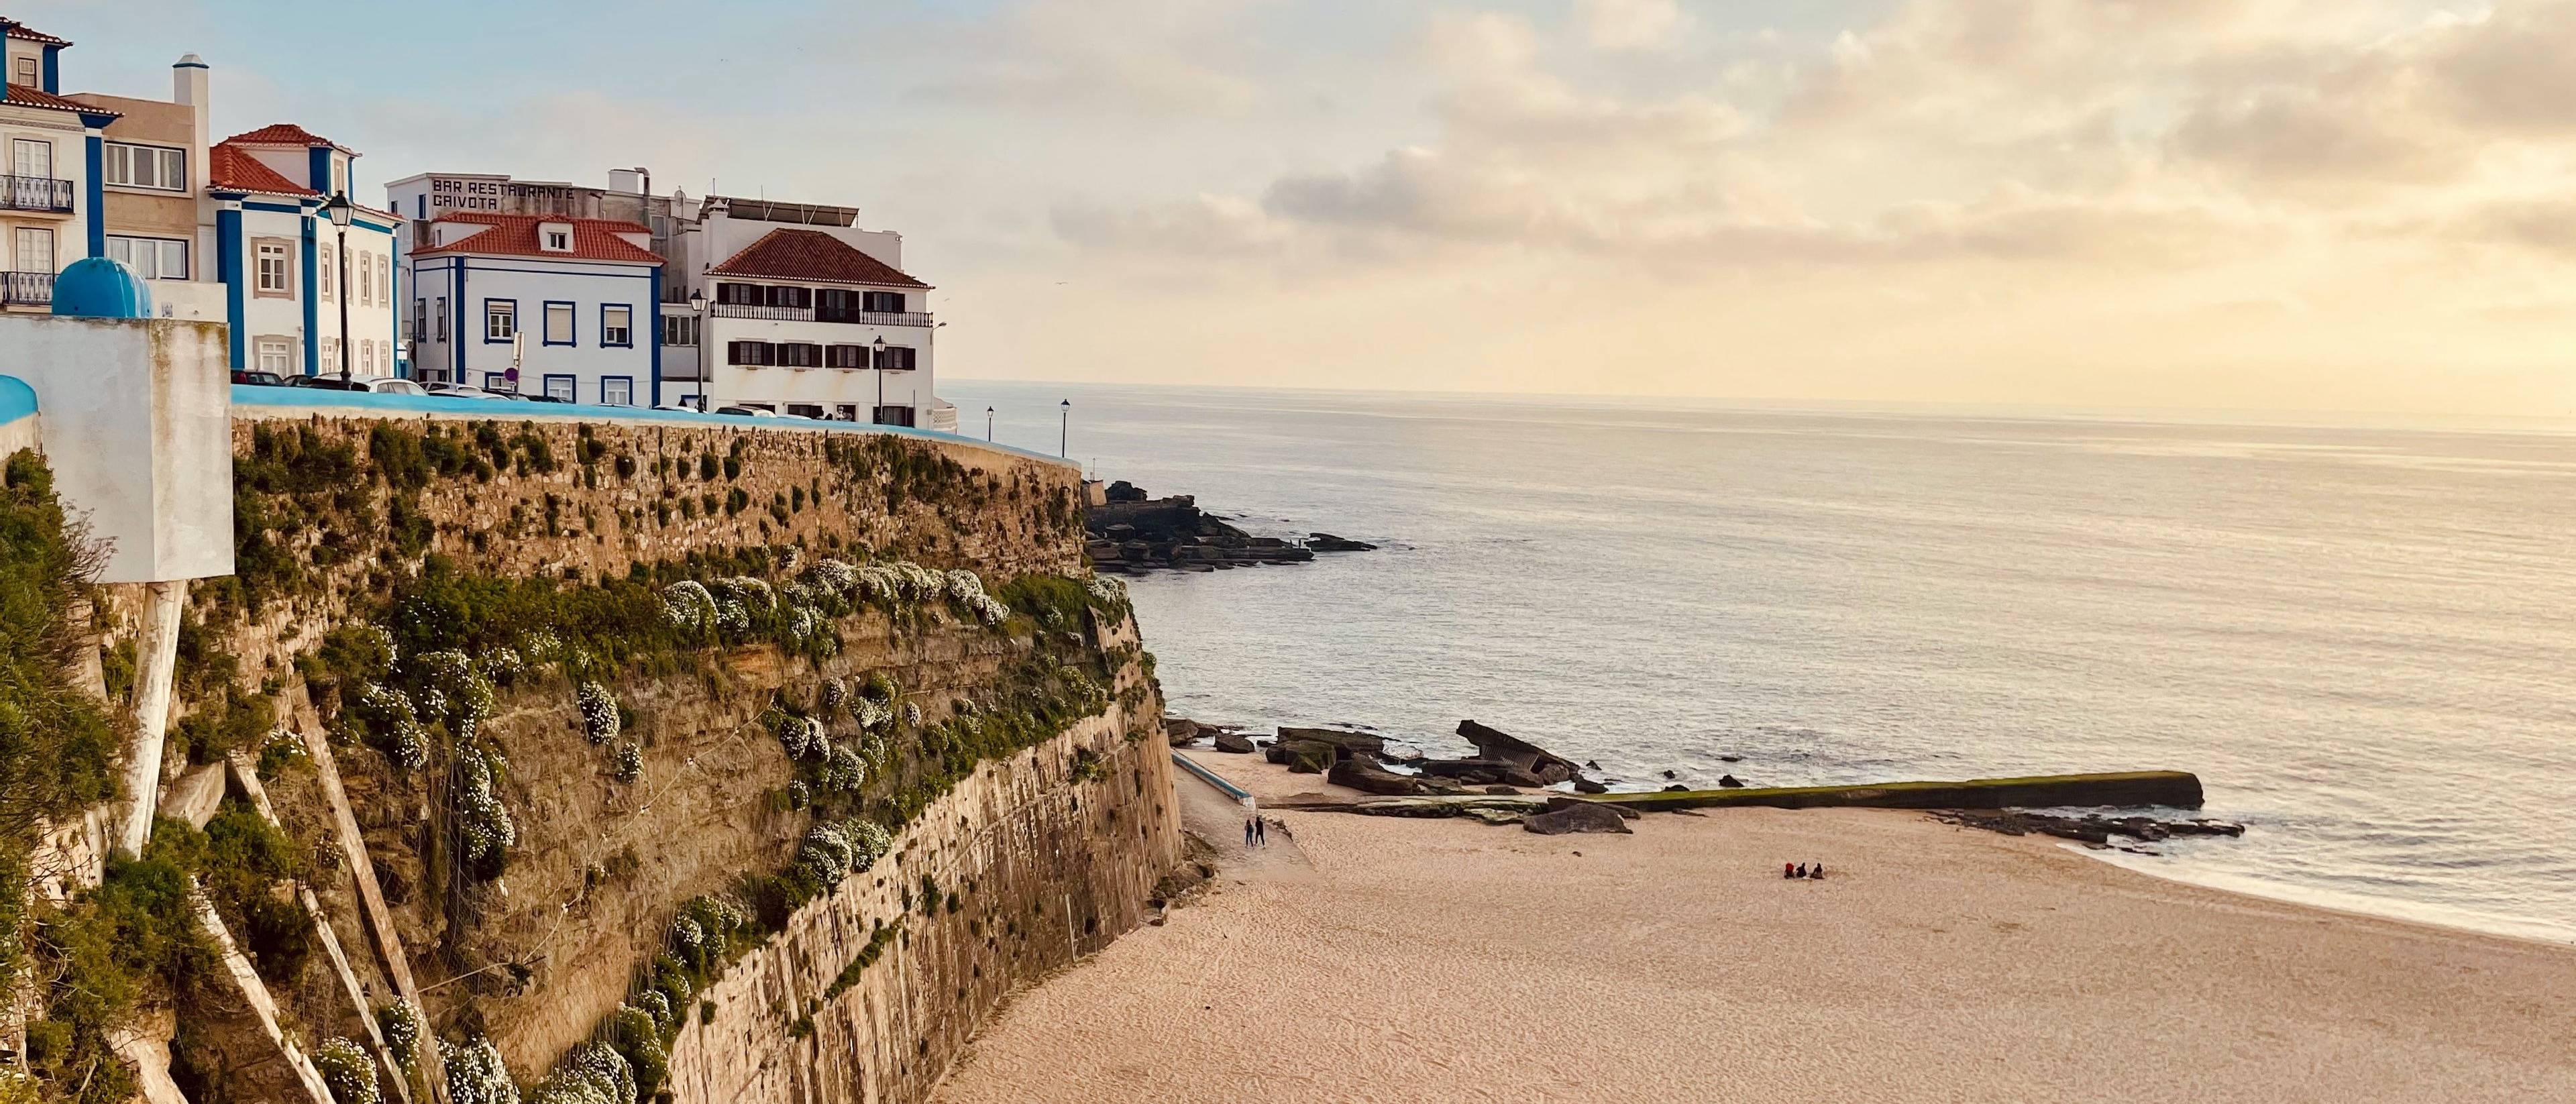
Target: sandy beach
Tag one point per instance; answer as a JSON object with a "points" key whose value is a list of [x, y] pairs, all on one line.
{"points": [[1375, 959]]}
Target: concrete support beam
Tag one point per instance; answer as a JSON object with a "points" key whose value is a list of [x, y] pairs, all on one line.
{"points": [[254, 991], [157, 657], [371, 901]]}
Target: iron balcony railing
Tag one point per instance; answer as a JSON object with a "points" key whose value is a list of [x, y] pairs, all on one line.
{"points": [[26, 288], [35, 193], [810, 314]]}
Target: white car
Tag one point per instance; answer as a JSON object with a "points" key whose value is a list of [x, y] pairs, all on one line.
{"points": [[385, 386], [457, 391], [748, 412]]}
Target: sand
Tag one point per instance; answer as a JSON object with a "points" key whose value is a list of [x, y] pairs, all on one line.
{"points": [[1375, 959]]}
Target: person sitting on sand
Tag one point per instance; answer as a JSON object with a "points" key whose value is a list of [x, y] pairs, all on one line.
{"points": [[1788, 870], [1801, 872], [1816, 872]]}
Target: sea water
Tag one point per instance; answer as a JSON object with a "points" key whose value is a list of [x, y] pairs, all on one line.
{"points": [[2358, 635]]}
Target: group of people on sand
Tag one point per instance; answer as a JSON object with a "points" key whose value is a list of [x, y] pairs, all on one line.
{"points": [[1255, 833], [1813, 872]]}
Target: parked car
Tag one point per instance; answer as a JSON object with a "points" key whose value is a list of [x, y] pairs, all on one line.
{"points": [[326, 383], [385, 386], [747, 411], [545, 398], [251, 378]]}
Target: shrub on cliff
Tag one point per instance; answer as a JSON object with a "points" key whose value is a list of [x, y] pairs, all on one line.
{"points": [[389, 723], [639, 1040], [484, 828], [401, 1028], [348, 1072], [476, 1074], [592, 1073], [599, 717]]}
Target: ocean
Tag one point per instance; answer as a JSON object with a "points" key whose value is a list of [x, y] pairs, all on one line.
{"points": [[2358, 636]]}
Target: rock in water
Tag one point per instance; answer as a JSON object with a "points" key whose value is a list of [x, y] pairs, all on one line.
{"points": [[1180, 731], [1367, 777], [1234, 743], [1729, 782], [1576, 817], [1588, 786]]}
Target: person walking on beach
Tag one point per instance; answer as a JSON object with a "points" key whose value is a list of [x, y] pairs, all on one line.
{"points": [[1248, 824], [1260, 832]]}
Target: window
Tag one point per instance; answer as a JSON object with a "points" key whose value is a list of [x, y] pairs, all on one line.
{"points": [[277, 355], [559, 242], [616, 326], [276, 270], [28, 74], [324, 274], [680, 329], [894, 358], [133, 166], [416, 327], [152, 258], [441, 319], [366, 279], [559, 387], [500, 320], [35, 249], [331, 354], [810, 410], [885, 302], [791, 297], [750, 352], [559, 329], [845, 413], [385, 279], [499, 383], [800, 354], [617, 391], [31, 157], [367, 357], [894, 415], [741, 295], [339, 175], [846, 356]]}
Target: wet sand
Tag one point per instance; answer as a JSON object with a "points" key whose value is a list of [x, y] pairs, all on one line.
{"points": [[1378, 959]]}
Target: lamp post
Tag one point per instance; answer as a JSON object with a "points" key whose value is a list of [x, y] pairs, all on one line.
{"points": [[1064, 443], [988, 425], [706, 366], [876, 364], [340, 210]]}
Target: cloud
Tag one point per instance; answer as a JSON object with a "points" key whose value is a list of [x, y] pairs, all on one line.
{"points": [[1629, 24]]}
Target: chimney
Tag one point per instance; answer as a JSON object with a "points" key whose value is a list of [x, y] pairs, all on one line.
{"points": [[188, 86]]}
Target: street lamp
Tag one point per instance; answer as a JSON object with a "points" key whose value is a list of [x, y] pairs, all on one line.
{"points": [[706, 367], [340, 210], [876, 364], [988, 425], [1065, 442]]}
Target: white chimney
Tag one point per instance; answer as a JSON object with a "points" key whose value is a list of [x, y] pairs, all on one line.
{"points": [[188, 86]]}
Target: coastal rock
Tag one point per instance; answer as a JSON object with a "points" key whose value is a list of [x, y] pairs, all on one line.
{"points": [[1500, 791], [1677, 788], [1576, 817], [1180, 731], [1326, 542], [1495, 744], [1587, 786], [2091, 828], [1307, 757], [1233, 743], [1366, 776], [1494, 816], [1350, 743], [1729, 782], [1560, 804]]}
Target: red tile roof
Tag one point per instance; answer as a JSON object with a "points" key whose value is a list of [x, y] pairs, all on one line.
{"points": [[282, 134], [811, 255], [26, 33], [21, 95], [516, 236], [232, 168]]}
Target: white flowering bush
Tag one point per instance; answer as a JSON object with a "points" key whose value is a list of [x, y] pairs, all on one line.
{"points": [[799, 795], [1107, 591], [688, 935], [911, 715], [879, 583], [803, 737], [833, 575], [541, 647], [655, 1005], [732, 618], [825, 855], [483, 822], [986, 609], [401, 1028], [630, 761], [871, 716], [476, 1074], [599, 719], [388, 713], [502, 665], [835, 694], [844, 771], [964, 584], [869, 841], [688, 605], [454, 683], [348, 1072], [593, 1073], [754, 594], [920, 583]]}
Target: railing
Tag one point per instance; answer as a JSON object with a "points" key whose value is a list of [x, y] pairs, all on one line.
{"points": [[35, 193], [26, 288], [810, 314]]}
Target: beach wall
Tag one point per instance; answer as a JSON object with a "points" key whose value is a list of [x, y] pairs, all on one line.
{"points": [[570, 770]]}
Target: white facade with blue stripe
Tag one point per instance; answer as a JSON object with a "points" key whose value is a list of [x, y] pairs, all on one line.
{"points": [[281, 260]]}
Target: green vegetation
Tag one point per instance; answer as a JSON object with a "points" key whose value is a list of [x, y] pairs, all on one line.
{"points": [[102, 954]]}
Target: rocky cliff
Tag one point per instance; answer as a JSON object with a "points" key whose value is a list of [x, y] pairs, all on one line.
{"points": [[616, 762]]}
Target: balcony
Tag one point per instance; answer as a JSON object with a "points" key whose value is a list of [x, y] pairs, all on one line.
{"points": [[811, 314], [36, 193], [26, 289]]}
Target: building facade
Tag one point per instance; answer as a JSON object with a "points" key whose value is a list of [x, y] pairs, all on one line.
{"points": [[290, 275], [50, 192], [539, 304]]}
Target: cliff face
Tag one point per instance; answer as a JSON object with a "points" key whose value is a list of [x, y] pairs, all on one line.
{"points": [[623, 717]]}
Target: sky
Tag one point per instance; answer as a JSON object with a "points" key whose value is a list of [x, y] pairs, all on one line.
{"points": [[2351, 205]]}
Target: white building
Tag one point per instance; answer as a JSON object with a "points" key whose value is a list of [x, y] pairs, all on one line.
{"points": [[802, 313], [540, 304], [282, 259], [50, 190]]}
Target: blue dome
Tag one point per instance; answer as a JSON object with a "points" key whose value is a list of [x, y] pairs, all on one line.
{"points": [[96, 287]]}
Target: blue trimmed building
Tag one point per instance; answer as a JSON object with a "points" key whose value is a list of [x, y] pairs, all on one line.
{"points": [[52, 150], [286, 272], [569, 303]]}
